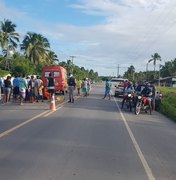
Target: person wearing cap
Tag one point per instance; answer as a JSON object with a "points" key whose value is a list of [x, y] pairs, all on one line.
{"points": [[71, 88]]}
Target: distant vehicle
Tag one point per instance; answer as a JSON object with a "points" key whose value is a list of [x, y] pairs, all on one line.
{"points": [[60, 77], [118, 84], [117, 81]]}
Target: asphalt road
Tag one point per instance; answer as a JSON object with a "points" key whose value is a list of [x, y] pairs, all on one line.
{"points": [[91, 139]]}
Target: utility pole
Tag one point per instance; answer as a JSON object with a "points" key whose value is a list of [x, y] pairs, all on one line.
{"points": [[159, 75], [146, 72], [118, 71], [72, 62]]}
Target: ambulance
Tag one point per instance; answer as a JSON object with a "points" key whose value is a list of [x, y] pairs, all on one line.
{"points": [[60, 78]]}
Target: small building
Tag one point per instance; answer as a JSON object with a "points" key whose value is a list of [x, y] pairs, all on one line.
{"points": [[166, 81]]}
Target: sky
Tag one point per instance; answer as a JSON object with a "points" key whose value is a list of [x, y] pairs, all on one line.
{"points": [[107, 36]]}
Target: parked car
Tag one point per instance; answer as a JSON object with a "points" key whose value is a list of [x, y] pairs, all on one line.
{"points": [[117, 81], [119, 90], [118, 86]]}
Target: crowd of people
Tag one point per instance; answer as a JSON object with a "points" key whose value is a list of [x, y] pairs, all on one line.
{"points": [[30, 89], [78, 84], [22, 88]]}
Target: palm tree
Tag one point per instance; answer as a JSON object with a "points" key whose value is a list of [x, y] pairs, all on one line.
{"points": [[8, 40], [35, 47], [8, 36], [51, 57], [156, 57]]}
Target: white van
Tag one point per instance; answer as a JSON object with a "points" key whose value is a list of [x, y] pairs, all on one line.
{"points": [[117, 81]]}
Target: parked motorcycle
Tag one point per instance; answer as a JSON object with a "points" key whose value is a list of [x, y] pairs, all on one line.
{"points": [[143, 103]]}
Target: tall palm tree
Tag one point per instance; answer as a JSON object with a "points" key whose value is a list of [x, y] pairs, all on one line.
{"points": [[8, 36], [156, 57], [35, 47], [51, 57]]}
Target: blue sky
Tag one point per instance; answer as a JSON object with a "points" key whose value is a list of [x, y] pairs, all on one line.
{"points": [[100, 33]]}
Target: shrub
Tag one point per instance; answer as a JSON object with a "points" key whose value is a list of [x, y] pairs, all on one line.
{"points": [[168, 105]]}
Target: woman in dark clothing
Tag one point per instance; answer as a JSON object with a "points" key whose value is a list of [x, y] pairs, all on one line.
{"points": [[7, 89]]}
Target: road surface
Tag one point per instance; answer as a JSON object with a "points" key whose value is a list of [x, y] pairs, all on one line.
{"points": [[91, 139]]}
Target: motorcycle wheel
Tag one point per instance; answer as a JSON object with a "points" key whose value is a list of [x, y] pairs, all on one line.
{"points": [[138, 108], [130, 105]]}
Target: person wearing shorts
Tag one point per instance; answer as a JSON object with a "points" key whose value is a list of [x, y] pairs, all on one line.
{"points": [[7, 89], [15, 88], [1, 86], [22, 88]]}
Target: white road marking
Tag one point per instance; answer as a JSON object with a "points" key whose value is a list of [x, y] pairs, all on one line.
{"points": [[21, 124], [139, 152]]}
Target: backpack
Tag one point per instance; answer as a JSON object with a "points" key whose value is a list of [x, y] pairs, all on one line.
{"points": [[71, 82]]}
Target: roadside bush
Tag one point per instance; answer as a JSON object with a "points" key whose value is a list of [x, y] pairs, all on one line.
{"points": [[168, 105]]}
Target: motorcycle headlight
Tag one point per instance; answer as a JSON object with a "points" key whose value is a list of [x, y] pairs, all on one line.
{"points": [[139, 97], [129, 95]]}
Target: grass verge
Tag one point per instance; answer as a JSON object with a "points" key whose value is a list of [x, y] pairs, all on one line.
{"points": [[168, 103]]}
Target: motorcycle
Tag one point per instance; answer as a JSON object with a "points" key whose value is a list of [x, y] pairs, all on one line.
{"points": [[143, 103], [128, 101]]}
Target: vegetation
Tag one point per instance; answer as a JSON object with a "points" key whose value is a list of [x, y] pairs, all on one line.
{"points": [[168, 105]]}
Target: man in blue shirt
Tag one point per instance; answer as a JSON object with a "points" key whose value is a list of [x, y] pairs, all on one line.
{"points": [[107, 89], [15, 88]]}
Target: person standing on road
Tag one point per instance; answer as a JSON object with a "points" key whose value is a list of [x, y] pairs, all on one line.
{"points": [[38, 84], [78, 86], [153, 89], [22, 88], [107, 89], [1, 86], [7, 89], [84, 87], [15, 88], [31, 86], [88, 86], [51, 89], [71, 88]]}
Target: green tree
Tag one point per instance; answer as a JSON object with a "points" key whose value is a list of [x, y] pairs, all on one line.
{"points": [[51, 57], [35, 47], [8, 36], [21, 65], [169, 69], [156, 57], [129, 74]]}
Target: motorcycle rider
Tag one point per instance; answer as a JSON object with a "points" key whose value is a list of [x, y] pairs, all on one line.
{"points": [[147, 92], [127, 90]]}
